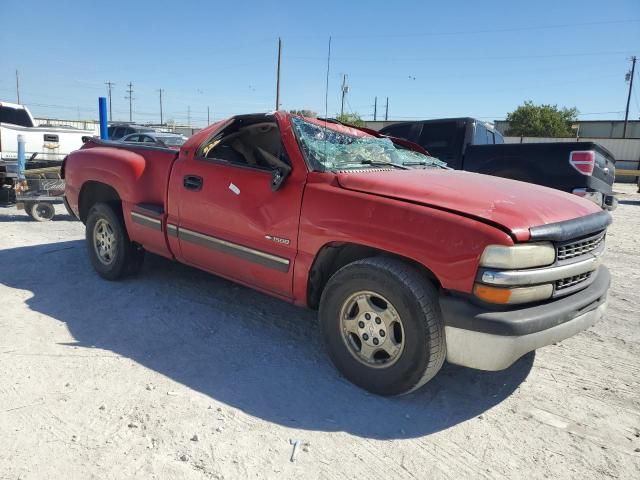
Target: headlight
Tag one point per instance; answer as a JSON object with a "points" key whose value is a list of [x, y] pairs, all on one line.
{"points": [[512, 295], [525, 255]]}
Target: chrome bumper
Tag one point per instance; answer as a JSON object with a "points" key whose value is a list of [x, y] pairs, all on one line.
{"points": [[486, 351], [604, 201]]}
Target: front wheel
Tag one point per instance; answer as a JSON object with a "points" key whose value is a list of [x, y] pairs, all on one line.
{"points": [[382, 325], [111, 252]]}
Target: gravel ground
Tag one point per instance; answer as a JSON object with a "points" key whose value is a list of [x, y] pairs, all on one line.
{"points": [[179, 374]]}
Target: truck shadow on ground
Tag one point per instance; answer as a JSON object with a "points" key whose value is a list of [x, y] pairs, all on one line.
{"points": [[242, 348]]}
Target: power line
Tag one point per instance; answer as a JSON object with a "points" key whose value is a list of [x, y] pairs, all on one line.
{"points": [[473, 57], [492, 30]]}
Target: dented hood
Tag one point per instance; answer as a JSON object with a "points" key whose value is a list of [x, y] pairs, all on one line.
{"points": [[515, 206]]}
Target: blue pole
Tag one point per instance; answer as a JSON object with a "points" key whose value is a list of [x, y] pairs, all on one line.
{"points": [[21, 157], [102, 106]]}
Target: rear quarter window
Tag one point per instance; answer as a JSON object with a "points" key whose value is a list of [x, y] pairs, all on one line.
{"points": [[481, 135]]}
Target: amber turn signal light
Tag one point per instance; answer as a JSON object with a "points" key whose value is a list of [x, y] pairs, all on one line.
{"points": [[512, 295], [492, 294]]}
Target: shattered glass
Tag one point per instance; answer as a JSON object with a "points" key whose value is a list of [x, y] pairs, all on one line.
{"points": [[328, 149]]}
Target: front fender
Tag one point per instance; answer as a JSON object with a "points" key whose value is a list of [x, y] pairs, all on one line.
{"points": [[447, 244]]}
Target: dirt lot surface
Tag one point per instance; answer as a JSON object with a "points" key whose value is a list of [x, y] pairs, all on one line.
{"points": [[179, 374]]}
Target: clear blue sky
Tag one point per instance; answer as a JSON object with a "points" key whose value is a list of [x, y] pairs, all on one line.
{"points": [[431, 59]]}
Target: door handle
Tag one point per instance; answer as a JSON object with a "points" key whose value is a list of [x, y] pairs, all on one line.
{"points": [[192, 182]]}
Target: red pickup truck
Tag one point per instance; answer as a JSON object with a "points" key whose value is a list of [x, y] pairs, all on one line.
{"points": [[407, 267]]}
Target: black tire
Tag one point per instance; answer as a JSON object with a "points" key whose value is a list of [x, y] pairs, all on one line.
{"points": [[40, 211], [415, 300], [125, 257]]}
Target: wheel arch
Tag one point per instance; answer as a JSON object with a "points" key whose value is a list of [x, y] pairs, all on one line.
{"points": [[335, 255], [93, 192]]}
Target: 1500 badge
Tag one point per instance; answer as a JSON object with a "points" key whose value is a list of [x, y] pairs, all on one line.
{"points": [[283, 241]]}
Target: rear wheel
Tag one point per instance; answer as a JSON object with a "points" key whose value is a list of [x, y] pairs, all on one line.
{"points": [[111, 252], [382, 325], [40, 211]]}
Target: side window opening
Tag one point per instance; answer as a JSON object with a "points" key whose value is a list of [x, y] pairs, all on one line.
{"points": [[251, 144]]}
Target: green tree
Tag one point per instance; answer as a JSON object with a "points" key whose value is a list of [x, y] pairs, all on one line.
{"points": [[351, 119], [531, 120], [304, 113]]}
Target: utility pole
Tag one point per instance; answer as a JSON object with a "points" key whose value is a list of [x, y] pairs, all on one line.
{"points": [[278, 74], [345, 89], [386, 111], [626, 114], [18, 86], [161, 106], [130, 98], [326, 89], [109, 85], [375, 109], [208, 121]]}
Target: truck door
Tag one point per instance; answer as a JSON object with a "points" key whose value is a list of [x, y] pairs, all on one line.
{"points": [[231, 222]]}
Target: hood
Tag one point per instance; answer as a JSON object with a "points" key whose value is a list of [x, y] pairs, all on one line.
{"points": [[515, 206]]}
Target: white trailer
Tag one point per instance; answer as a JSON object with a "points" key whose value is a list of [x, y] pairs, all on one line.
{"points": [[44, 145]]}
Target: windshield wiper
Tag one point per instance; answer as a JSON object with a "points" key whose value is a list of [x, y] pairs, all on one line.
{"points": [[437, 163], [383, 164]]}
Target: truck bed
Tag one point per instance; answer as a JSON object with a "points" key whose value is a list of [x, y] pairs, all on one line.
{"points": [[542, 163]]}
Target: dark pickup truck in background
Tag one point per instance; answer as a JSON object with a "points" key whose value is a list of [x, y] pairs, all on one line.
{"points": [[582, 168]]}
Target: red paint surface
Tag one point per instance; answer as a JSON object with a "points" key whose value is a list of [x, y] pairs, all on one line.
{"points": [[512, 204]]}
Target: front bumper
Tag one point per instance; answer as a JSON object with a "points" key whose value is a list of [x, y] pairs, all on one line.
{"points": [[486, 339]]}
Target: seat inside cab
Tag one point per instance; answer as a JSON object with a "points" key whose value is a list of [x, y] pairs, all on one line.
{"points": [[252, 141]]}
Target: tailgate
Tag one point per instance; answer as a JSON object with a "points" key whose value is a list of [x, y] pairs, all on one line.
{"points": [[605, 167]]}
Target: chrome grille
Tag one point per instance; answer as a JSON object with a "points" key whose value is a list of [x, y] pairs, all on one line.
{"points": [[580, 247], [568, 282]]}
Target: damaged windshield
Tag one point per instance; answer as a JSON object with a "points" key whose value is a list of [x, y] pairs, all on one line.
{"points": [[328, 149]]}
